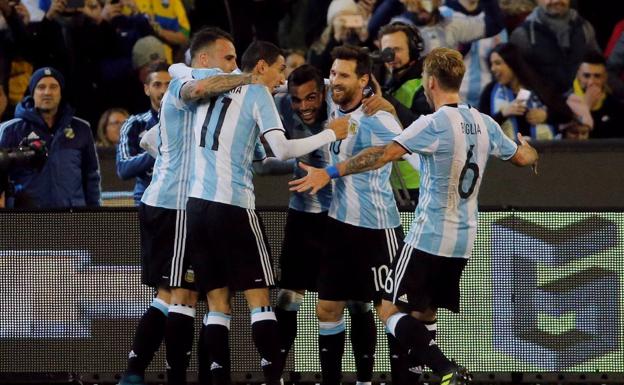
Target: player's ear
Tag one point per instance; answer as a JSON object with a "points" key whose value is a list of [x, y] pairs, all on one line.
{"points": [[261, 66]]}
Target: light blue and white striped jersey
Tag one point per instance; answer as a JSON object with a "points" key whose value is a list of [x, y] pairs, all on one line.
{"points": [[454, 144], [365, 199], [171, 175], [227, 130], [297, 129]]}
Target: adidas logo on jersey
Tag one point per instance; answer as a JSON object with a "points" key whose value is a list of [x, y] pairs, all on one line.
{"points": [[416, 369], [433, 343], [215, 366], [264, 362], [403, 298], [132, 354]]}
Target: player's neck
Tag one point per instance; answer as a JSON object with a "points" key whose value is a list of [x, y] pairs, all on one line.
{"points": [[444, 98], [351, 105]]}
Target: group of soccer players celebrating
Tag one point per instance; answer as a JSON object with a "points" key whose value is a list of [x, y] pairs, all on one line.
{"points": [[200, 232]]}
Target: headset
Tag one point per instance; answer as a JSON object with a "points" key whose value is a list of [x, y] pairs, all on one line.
{"points": [[415, 42]]}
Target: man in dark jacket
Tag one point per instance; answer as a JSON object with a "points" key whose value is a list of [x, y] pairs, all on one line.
{"points": [[70, 176], [132, 160], [554, 39]]}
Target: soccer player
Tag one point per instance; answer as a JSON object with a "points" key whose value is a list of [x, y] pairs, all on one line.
{"points": [[162, 214], [226, 243], [304, 113], [363, 231], [132, 161], [454, 144]]}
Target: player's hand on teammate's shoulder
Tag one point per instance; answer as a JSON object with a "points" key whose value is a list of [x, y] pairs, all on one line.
{"points": [[376, 103], [316, 179], [340, 126]]}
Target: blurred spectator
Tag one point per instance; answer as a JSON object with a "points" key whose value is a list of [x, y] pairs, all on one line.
{"points": [[132, 160], [345, 25], [70, 176], [591, 85], [581, 123], [616, 34], [294, 59], [615, 67], [109, 127], [516, 11], [382, 14], [476, 54], [14, 18], [553, 39], [170, 23], [3, 101], [246, 20], [518, 101], [439, 31]]}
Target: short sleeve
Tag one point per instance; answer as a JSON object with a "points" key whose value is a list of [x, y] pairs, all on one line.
{"points": [[264, 110], [385, 129], [420, 136]]}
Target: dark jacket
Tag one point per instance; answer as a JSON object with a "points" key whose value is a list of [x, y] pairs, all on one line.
{"points": [[540, 45], [132, 160], [70, 176], [418, 106]]}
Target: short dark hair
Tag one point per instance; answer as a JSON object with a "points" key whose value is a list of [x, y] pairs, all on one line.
{"points": [[157, 66], [304, 74], [259, 50], [206, 36], [594, 57], [363, 62]]}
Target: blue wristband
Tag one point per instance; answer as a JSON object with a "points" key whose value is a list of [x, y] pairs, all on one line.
{"points": [[333, 172]]}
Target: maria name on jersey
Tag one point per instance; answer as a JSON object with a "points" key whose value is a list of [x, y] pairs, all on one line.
{"points": [[470, 128]]}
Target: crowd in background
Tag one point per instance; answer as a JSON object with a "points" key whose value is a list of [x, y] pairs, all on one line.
{"points": [[540, 68]]}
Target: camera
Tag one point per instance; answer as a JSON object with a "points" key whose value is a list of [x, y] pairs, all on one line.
{"points": [[29, 153], [384, 56]]}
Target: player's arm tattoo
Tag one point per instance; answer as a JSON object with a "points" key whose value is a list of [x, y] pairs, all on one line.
{"points": [[212, 86], [368, 159]]}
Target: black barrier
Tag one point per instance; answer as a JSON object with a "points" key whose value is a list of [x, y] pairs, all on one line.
{"points": [[542, 293]]}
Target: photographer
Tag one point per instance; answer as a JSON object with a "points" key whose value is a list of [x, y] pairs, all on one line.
{"points": [[401, 46], [345, 25], [70, 176]]}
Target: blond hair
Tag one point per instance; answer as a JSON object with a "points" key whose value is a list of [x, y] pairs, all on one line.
{"points": [[447, 66]]}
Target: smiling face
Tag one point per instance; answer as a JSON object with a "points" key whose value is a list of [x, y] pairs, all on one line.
{"points": [[501, 71], [306, 100], [47, 95], [345, 85]]}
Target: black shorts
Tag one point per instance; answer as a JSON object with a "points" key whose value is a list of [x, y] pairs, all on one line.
{"points": [[420, 281], [163, 263], [301, 250], [227, 247], [356, 261]]}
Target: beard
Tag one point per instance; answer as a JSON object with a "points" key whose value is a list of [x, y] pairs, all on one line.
{"points": [[345, 97]]}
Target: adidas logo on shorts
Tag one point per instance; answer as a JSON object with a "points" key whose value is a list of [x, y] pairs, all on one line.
{"points": [[215, 366], [264, 362], [403, 298]]}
